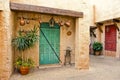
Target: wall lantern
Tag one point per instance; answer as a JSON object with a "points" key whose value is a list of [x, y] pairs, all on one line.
{"points": [[52, 22]]}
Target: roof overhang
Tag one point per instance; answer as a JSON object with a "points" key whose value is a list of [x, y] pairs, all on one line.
{"points": [[45, 10]]}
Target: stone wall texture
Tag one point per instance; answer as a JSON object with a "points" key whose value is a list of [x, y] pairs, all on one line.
{"points": [[6, 20]]}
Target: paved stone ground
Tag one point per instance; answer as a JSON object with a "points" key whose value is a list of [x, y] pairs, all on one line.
{"points": [[101, 68]]}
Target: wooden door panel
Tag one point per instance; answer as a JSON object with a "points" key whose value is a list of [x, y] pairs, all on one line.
{"points": [[47, 55], [110, 38]]}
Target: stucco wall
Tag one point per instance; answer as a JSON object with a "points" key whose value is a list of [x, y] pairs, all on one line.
{"points": [[1, 5], [106, 9], [1, 44], [6, 24]]}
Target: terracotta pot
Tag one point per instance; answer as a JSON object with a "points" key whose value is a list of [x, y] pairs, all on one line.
{"points": [[61, 23], [27, 21], [97, 53], [67, 24], [22, 21], [24, 70]]}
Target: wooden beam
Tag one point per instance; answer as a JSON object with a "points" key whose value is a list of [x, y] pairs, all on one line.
{"points": [[116, 20], [116, 26], [45, 10], [99, 26]]}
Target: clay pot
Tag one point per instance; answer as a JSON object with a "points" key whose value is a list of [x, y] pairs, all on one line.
{"points": [[22, 21], [24, 70], [39, 20], [27, 21], [67, 24], [61, 23], [97, 53]]}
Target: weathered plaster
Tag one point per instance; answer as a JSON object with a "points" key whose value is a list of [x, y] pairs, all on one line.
{"points": [[1, 5], [106, 9]]}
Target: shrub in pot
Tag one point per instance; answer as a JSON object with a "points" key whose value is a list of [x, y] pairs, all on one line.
{"points": [[97, 47], [24, 41], [23, 66]]}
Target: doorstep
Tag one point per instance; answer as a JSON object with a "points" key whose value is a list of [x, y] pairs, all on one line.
{"points": [[49, 66]]}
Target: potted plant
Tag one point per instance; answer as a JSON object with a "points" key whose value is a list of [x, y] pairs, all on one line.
{"points": [[97, 47], [24, 41], [23, 66]]}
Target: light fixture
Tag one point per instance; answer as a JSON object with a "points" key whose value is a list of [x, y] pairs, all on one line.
{"points": [[52, 22]]}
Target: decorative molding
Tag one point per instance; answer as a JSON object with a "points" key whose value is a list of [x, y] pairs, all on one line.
{"points": [[45, 10]]}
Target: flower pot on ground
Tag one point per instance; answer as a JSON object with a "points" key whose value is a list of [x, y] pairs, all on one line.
{"points": [[97, 47], [26, 65], [24, 70], [23, 66], [24, 41], [97, 53]]}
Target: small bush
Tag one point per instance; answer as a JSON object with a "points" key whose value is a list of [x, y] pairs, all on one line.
{"points": [[97, 46]]}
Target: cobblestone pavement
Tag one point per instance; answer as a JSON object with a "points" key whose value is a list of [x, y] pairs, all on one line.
{"points": [[101, 68]]}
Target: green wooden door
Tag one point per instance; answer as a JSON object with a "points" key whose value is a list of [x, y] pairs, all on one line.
{"points": [[47, 55]]}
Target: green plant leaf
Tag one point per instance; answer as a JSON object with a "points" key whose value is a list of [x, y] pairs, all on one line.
{"points": [[97, 46]]}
